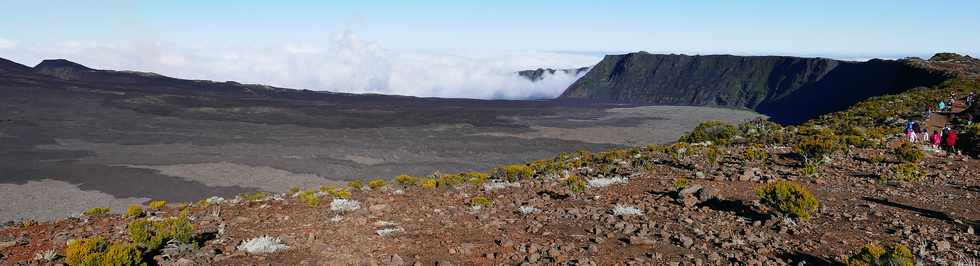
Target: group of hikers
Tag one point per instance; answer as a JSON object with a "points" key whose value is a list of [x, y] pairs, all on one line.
{"points": [[945, 138]]}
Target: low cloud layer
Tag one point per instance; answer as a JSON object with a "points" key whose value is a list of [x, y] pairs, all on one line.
{"points": [[346, 63]]}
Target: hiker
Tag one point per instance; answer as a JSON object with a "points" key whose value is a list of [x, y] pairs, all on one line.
{"points": [[935, 139], [928, 113], [925, 135], [910, 133], [951, 141], [942, 106]]}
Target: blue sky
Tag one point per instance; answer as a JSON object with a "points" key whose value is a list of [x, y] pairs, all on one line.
{"points": [[460, 48], [747, 27]]}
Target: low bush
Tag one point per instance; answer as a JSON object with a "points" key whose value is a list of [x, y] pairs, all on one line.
{"points": [[151, 235], [157, 204], [810, 169], [451, 180], [576, 184], [815, 147], [134, 211], [680, 183], [515, 172], [122, 254], [310, 197], [96, 251], [873, 255], [877, 159], [406, 180], [714, 131], [713, 154], [355, 184], [96, 211], [908, 152], [788, 198], [341, 193], [429, 183], [755, 153], [678, 151], [256, 196], [908, 172], [479, 201], [376, 184], [476, 178]]}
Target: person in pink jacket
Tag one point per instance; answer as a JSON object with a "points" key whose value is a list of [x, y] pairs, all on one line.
{"points": [[935, 139]]}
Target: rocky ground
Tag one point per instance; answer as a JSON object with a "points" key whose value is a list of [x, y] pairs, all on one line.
{"points": [[640, 220]]}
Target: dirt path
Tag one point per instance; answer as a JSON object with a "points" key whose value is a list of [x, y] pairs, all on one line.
{"points": [[940, 119]]}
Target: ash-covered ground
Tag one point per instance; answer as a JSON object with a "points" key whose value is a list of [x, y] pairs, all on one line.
{"points": [[66, 147]]}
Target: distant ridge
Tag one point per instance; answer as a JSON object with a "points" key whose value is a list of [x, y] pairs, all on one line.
{"points": [[788, 89], [11, 66]]}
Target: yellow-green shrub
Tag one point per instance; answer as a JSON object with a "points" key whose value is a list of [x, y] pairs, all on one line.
{"points": [[86, 251], [406, 180], [256, 196], [712, 153], [817, 146], [476, 178], [134, 211], [151, 235], [97, 251], [429, 183], [906, 172], [122, 254], [515, 172], [480, 201], [376, 184], [680, 183], [877, 159], [451, 180], [310, 198], [355, 184], [714, 131], [872, 255], [294, 190], [96, 211], [810, 169], [157, 204], [755, 153], [576, 184], [788, 198], [341, 193], [908, 152]]}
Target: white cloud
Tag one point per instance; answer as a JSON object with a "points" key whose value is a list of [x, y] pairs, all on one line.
{"points": [[345, 63], [6, 44]]}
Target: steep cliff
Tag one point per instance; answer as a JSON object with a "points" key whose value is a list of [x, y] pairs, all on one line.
{"points": [[788, 89]]}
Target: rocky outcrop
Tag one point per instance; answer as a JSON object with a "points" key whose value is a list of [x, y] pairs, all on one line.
{"points": [[788, 89], [538, 74]]}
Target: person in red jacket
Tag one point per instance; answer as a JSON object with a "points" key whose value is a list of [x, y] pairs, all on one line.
{"points": [[935, 139], [951, 141]]}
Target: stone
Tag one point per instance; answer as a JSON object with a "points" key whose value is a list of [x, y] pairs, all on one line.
{"points": [[706, 194], [393, 260], [378, 208], [635, 240], [942, 246]]}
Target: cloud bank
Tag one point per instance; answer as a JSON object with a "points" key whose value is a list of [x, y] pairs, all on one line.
{"points": [[345, 63]]}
